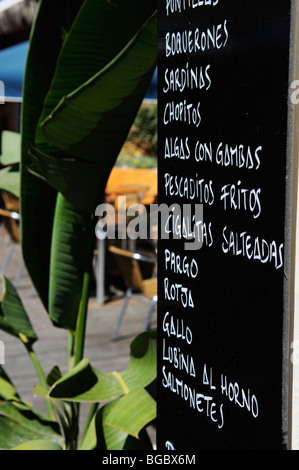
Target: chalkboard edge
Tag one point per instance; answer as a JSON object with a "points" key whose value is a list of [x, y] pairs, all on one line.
{"points": [[291, 217]]}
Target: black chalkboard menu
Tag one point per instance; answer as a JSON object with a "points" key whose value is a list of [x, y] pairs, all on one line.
{"points": [[224, 162]]}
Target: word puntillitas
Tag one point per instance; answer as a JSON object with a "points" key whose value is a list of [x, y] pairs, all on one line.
{"points": [[177, 6]]}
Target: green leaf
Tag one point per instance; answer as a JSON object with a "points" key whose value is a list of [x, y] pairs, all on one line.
{"points": [[38, 199], [62, 409], [94, 437], [127, 415], [40, 391], [54, 375], [86, 384], [38, 444], [116, 89], [81, 181], [71, 256], [109, 102], [10, 147], [98, 35], [142, 368], [64, 174], [19, 424], [13, 317], [131, 412], [7, 389]]}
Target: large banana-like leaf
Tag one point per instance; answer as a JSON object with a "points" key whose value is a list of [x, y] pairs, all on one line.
{"points": [[101, 31], [115, 91], [115, 424], [90, 124], [109, 113], [13, 317], [98, 36], [21, 427], [7, 388], [38, 444], [86, 384], [124, 415], [19, 423], [38, 199]]}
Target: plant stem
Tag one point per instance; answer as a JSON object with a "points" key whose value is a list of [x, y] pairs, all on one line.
{"points": [[75, 352], [70, 355], [41, 377], [81, 322]]}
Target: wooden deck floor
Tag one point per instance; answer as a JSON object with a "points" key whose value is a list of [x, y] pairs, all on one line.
{"points": [[51, 347]]}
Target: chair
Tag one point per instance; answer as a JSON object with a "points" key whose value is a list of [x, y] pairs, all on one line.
{"points": [[11, 214], [129, 266], [119, 198], [11, 217]]}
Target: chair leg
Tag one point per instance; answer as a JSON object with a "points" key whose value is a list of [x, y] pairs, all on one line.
{"points": [[19, 274], [123, 311], [7, 259], [150, 312]]}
